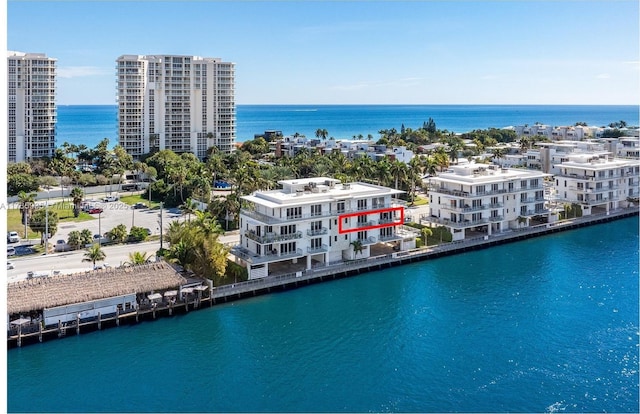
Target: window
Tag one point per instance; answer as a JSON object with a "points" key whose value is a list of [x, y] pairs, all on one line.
{"points": [[316, 226], [316, 210], [288, 247], [523, 184], [362, 219], [362, 204], [290, 229], [340, 206], [362, 235], [316, 243], [294, 212]]}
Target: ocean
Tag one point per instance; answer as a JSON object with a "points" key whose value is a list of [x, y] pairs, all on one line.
{"points": [[89, 124], [548, 324]]}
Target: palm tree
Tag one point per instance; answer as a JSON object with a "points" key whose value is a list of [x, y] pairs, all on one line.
{"points": [[357, 246], [398, 171], [189, 207], [26, 208], [137, 258], [76, 195], [426, 232], [93, 254]]}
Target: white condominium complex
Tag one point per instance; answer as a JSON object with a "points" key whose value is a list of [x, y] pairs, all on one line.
{"points": [[478, 199], [31, 106], [315, 221], [181, 103], [596, 183]]}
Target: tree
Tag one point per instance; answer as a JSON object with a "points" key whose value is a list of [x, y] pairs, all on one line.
{"points": [[76, 195], [94, 254], [43, 219], [137, 258], [398, 170], [426, 232], [118, 234], [85, 237], [357, 246], [26, 207], [189, 207], [21, 182], [138, 234], [74, 240]]}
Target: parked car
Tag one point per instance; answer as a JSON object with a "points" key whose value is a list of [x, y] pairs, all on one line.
{"points": [[112, 197], [138, 206], [95, 210], [10, 266], [61, 246], [101, 266], [11, 251], [23, 250], [12, 237]]}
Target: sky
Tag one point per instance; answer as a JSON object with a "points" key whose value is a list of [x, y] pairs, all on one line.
{"points": [[351, 52]]}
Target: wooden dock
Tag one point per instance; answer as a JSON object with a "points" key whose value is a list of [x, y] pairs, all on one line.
{"points": [[34, 332]]}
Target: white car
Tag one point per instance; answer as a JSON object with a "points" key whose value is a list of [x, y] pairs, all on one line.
{"points": [[10, 266], [110, 198], [12, 237]]}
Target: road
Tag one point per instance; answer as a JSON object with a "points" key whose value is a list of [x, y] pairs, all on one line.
{"points": [[71, 262]]}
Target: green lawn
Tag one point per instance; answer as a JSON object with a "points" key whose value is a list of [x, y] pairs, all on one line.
{"points": [[139, 198], [420, 201], [65, 215]]}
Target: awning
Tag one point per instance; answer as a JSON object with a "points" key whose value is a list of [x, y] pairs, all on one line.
{"points": [[187, 290], [20, 321], [170, 293], [155, 296], [201, 287]]}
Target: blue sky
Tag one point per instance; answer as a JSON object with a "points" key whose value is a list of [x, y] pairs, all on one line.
{"points": [[352, 52]]}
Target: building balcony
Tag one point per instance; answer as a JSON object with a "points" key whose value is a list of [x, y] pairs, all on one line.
{"points": [[535, 212], [317, 232], [272, 237], [314, 250], [274, 256]]}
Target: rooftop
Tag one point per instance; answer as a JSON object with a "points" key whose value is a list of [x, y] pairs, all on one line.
{"points": [[317, 189], [46, 292]]}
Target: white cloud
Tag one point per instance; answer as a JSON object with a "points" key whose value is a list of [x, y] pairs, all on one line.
{"points": [[82, 71]]}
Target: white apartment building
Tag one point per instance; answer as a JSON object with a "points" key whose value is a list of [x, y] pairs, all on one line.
{"points": [[315, 221], [181, 103], [478, 199], [598, 184], [32, 112]]}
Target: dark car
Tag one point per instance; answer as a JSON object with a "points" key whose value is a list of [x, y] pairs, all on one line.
{"points": [[138, 206], [23, 250], [95, 210]]}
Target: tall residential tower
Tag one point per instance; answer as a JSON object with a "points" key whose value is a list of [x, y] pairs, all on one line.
{"points": [[31, 106], [181, 103]]}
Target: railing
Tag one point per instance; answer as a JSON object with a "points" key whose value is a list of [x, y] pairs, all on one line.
{"points": [[271, 237], [317, 232], [266, 219], [322, 249]]}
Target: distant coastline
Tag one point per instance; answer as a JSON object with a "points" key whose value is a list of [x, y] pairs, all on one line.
{"points": [[89, 124]]}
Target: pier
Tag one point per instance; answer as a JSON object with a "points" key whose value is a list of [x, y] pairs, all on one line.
{"points": [[28, 332]]}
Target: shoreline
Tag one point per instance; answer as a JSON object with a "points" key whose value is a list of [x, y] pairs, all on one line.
{"points": [[277, 283]]}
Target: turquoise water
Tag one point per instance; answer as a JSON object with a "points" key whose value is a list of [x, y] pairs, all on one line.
{"points": [[543, 325], [86, 124]]}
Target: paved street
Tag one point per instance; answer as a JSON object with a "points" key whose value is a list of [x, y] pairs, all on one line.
{"points": [[70, 262]]}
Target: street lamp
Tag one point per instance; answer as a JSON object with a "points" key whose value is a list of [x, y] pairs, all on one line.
{"points": [[100, 228], [161, 226], [46, 227]]}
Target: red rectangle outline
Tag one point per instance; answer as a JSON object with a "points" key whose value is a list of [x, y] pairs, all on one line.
{"points": [[377, 226]]}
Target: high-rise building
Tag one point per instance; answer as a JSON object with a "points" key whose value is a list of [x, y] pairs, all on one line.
{"points": [[31, 106], [181, 103]]}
